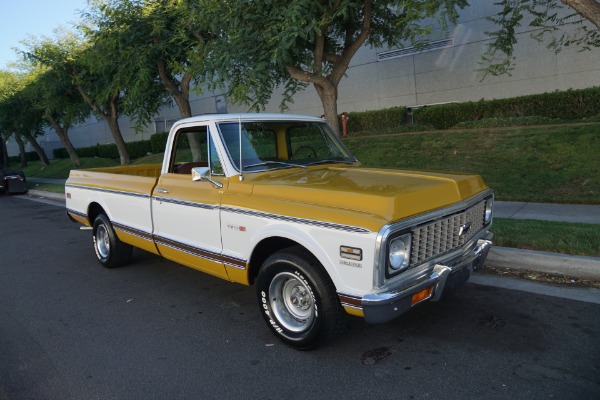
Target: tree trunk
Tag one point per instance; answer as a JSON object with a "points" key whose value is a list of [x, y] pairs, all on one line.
{"points": [[328, 96], [63, 134], [21, 151], [4, 163], [588, 9], [38, 149], [111, 116], [182, 99], [115, 130]]}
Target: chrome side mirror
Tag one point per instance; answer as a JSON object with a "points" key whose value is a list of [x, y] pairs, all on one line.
{"points": [[203, 174]]}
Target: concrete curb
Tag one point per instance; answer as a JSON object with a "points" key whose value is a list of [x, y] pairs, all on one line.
{"points": [[541, 261], [47, 195]]}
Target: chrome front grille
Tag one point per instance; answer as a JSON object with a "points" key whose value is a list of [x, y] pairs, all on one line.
{"points": [[446, 234]]}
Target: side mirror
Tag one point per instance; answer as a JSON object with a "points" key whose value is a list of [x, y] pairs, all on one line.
{"points": [[203, 174]]}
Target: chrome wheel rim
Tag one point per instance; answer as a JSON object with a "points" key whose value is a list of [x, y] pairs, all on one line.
{"points": [[292, 302], [102, 241]]}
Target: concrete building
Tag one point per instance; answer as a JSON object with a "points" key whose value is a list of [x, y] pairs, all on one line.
{"points": [[386, 77]]}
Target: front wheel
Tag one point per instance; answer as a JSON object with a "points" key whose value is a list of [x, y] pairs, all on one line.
{"points": [[110, 251], [298, 300]]}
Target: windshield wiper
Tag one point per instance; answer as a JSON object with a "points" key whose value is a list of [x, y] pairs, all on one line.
{"points": [[330, 162], [262, 164]]}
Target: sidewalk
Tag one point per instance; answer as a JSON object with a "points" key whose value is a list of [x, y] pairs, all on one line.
{"points": [[503, 257], [576, 213]]}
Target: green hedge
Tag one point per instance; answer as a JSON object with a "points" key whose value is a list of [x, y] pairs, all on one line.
{"points": [[158, 142], [579, 104], [376, 119], [140, 148], [567, 105], [29, 156]]}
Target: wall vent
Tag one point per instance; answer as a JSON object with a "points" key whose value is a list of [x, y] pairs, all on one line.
{"points": [[409, 51]]}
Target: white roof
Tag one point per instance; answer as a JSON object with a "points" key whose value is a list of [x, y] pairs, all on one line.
{"points": [[248, 117]]}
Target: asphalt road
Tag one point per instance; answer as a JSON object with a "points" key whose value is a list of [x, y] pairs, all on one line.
{"points": [[70, 329]]}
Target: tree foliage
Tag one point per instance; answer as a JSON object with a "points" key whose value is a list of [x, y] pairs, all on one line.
{"points": [[163, 44], [547, 18], [20, 118], [295, 43]]}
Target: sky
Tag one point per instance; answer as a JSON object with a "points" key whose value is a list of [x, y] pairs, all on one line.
{"points": [[19, 18]]}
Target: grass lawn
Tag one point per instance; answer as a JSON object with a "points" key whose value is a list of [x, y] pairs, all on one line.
{"points": [[60, 168], [559, 164], [558, 237]]}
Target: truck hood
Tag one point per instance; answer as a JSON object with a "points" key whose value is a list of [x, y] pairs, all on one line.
{"points": [[389, 194]]}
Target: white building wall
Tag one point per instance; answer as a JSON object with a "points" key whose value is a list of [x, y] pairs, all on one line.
{"points": [[445, 75]]}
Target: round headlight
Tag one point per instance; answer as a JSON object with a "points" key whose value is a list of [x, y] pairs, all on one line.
{"points": [[400, 252]]}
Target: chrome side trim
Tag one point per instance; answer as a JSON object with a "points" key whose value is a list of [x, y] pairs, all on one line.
{"points": [[77, 213], [201, 253], [329, 225], [134, 194], [185, 203], [133, 231]]}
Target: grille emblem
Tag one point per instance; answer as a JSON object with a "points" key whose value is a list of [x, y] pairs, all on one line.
{"points": [[464, 229]]}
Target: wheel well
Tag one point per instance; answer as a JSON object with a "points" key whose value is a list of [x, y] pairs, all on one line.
{"points": [[263, 250], [94, 210]]}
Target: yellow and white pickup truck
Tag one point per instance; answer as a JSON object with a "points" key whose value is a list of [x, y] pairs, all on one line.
{"points": [[277, 201]]}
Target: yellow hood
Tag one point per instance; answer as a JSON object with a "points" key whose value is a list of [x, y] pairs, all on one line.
{"points": [[389, 194]]}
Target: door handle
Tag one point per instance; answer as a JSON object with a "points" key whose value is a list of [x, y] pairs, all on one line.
{"points": [[159, 190]]}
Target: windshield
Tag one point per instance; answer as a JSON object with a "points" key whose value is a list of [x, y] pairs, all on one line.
{"points": [[282, 144]]}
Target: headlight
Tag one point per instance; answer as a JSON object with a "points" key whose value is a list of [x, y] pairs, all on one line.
{"points": [[489, 210], [399, 253]]}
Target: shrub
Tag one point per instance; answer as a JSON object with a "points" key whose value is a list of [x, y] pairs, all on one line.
{"points": [[158, 142], [567, 105], [29, 156], [376, 119]]}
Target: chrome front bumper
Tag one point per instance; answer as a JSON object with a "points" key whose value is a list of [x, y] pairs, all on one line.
{"points": [[383, 307]]}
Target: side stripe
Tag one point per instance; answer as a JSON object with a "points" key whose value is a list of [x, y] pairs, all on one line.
{"points": [[133, 231], [322, 224], [202, 253], [77, 213], [350, 301], [185, 203], [134, 194]]}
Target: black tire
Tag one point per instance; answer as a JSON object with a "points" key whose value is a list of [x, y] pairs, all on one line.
{"points": [[298, 300], [110, 251]]}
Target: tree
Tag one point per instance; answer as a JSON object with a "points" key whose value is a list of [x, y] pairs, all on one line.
{"points": [[295, 43], [163, 41], [55, 96], [19, 117], [94, 67], [546, 17]]}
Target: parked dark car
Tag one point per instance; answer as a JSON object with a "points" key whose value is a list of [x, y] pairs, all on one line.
{"points": [[12, 182]]}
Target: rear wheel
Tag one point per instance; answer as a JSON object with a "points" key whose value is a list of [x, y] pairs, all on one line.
{"points": [[298, 300], [110, 250]]}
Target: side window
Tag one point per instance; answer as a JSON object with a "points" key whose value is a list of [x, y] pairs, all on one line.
{"points": [[216, 168], [190, 150]]}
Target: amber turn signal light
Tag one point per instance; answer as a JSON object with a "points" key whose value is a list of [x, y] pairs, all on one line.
{"points": [[422, 295]]}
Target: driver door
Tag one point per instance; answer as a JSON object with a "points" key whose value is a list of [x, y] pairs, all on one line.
{"points": [[186, 214]]}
